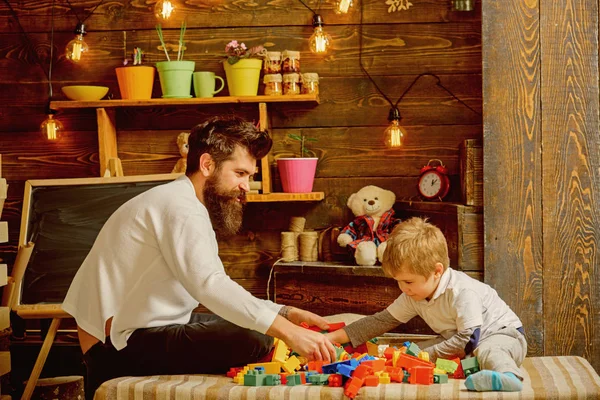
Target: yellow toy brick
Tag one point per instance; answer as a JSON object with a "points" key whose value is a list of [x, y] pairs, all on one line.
{"points": [[270, 367], [424, 356], [373, 349], [281, 352], [239, 378], [384, 377], [439, 371], [291, 365], [395, 357]]}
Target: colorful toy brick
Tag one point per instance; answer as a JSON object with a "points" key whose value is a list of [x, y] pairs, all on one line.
{"points": [[458, 373], [373, 347], [272, 380], [292, 364], [440, 378], [346, 370], [318, 379], [281, 352], [233, 371], [423, 355], [376, 365], [470, 365], [315, 366], [446, 365], [421, 375], [372, 380], [268, 367], [413, 350], [335, 380], [407, 362], [384, 378], [293, 380], [353, 386], [254, 377]]}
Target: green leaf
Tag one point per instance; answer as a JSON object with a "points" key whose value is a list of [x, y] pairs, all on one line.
{"points": [[310, 139], [233, 59], [295, 137]]}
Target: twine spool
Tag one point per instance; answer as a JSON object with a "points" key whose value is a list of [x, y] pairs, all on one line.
{"points": [[308, 246], [289, 246], [297, 224]]}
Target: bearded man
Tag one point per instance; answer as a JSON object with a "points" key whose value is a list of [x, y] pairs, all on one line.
{"points": [[157, 257]]}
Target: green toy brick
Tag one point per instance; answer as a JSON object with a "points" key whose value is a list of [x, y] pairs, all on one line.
{"points": [[447, 365], [319, 379], [470, 365], [254, 378], [413, 350], [293, 380], [440, 378]]}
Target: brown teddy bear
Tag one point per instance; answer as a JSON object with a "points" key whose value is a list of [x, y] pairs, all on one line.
{"points": [[182, 144], [366, 235]]}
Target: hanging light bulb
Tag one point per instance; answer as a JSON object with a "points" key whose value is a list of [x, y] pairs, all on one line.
{"points": [[320, 41], [164, 9], [77, 47], [394, 132], [462, 5], [342, 6], [51, 128]]}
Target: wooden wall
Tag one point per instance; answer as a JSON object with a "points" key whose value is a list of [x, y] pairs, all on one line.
{"points": [[542, 169], [348, 123]]}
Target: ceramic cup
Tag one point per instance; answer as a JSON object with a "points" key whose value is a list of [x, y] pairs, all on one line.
{"points": [[205, 82]]}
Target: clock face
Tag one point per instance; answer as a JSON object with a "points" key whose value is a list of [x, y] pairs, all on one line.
{"points": [[430, 184]]}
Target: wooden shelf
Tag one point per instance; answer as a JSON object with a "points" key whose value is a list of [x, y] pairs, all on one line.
{"points": [[440, 206], [274, 197], [71, 104]]}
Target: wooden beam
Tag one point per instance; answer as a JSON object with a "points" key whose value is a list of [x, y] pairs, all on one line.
{"points": [[512, 160], [571, 178], [265, 164], [41, 359]]}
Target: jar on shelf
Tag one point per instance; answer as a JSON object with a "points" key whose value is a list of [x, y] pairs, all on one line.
{"points": [[273, 84], [272, 64], [291, 61], [291, 84], [310, 83]]}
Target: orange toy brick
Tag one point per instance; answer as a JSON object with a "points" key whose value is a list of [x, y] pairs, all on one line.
{"points": [[421, 375], [362, 371], [396, 374], [353, 386], [335, 380], [407, 362], [316, 366], [372, 380], [377, 365], [389, 353]]}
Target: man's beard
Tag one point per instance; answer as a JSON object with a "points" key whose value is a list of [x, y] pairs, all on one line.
{"points": [[224, 209]]}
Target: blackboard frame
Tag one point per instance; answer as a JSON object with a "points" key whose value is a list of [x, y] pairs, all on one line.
{"points": [[54, 310]]}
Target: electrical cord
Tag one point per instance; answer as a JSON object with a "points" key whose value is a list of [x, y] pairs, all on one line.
{"points": [[89, 14]]}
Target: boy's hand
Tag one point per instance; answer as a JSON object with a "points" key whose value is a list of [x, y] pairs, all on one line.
{"points": [[298, 316], [310, 344], [340, 336]]}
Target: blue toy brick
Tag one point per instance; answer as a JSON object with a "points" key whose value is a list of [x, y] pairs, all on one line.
{"points": [[346, 370]]}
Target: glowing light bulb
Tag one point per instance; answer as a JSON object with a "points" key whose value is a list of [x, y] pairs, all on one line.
{"points": [[342, 6], [320, 41], [394, 133], [463, 5], [77, 47], [51, 128], [164, 9]]}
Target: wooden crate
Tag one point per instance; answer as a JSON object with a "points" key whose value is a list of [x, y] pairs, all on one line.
{"points": [[471, 172], [462, 226]]}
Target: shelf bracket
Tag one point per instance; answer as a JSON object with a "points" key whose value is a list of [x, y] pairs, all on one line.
{"points": [[265, 162], [107, 137]]}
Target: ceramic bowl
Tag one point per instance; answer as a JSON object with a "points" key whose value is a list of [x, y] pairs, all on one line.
{"points": [[85, 93]]}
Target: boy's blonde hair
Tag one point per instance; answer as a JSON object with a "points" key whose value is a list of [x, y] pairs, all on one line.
{"points": [[415, 246]]}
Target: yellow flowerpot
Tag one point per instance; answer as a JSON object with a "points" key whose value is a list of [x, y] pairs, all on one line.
{"points": [[243, 77], [135, 82]]}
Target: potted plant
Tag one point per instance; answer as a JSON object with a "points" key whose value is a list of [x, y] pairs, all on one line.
{"points": [[175, 75], [136, 80], [242, 68], [298, 174]]}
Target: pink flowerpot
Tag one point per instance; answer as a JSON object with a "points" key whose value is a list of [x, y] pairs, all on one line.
{"points": [[297, 174]]}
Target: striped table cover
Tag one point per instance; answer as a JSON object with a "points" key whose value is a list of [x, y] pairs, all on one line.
{"points": [[563, 377]]}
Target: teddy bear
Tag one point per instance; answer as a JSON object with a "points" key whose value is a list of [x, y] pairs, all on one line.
{"points": [[182, 145], [366, 236]]}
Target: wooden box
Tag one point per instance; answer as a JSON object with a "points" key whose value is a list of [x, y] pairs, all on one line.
{"points": [[462, 226], [471, 172]]}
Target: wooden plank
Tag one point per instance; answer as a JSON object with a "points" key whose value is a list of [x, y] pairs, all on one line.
{"points": [[61, 105], [271, 197], [4, 317], [265, 171], [570, 178], [409, 49], [36, 16], [41, 359], [3, 231], [512, 148], [471, 172]]}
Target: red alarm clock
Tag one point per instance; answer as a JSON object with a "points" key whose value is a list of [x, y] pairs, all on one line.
{"points": [[434, 182]]}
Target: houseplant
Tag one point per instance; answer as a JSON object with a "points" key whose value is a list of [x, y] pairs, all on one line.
{"points": [[135, 80], [175, 75], [242, 68], [298, 174]]}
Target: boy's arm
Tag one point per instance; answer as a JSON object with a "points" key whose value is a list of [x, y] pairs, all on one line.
{"points": [[364, 329], [455, 346]]}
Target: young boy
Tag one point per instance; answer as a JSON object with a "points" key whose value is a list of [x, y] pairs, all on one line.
{"points": [[469, 315]]}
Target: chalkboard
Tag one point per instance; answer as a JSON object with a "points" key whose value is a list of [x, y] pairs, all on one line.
{"points": [[63, 218]]}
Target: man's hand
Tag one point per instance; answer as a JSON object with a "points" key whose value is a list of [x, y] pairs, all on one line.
{"points": [[310, 344], [298, 316]]}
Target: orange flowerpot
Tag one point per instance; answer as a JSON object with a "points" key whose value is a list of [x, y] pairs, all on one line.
{"points": [[135, 82]]}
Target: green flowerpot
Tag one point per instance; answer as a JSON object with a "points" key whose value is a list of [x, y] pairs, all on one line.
{"points": [[176, 78], [243, 76]]}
